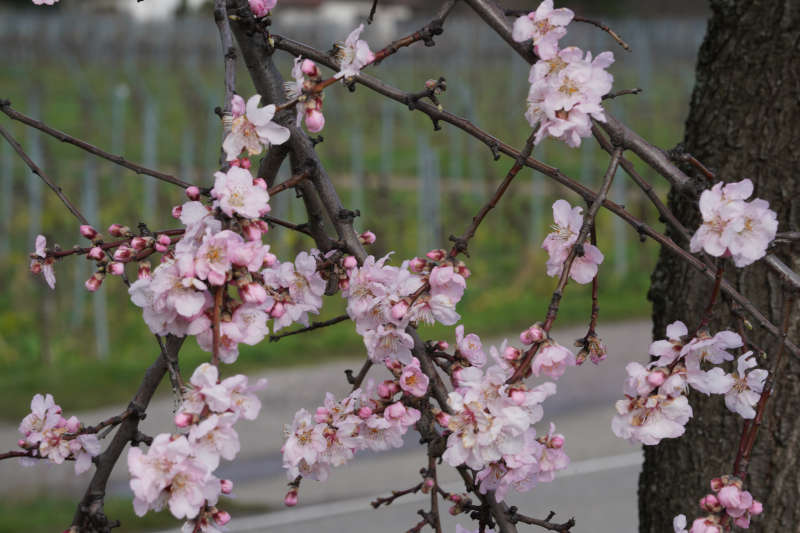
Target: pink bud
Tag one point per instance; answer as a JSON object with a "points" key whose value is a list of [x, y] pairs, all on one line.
{"points": [[183, 419], [96, 254], [349, 262], [138, 243], [511, 353], [518, 396], [717, 483], [395, 410], [253, 293], [756, 508], [36, 267], [221, 517], [365, 412], [742, 521], [94, 282], [118, 230], [557, 441], [309, 68], [427, 485], [251, 231], [436, 255], [399, 309], [116, 269], [417, 264], [226, 486], [533, 334], [443, 419], [291, 498], [710, 503], [315, 121], [455, 498], [655, 378], [193, 192], [259, 182], [21, 443], [144, 270], [442, 345], [176, 211], [321, 415], [123, 253], [242, 162], [463, 271], [73, 424], [237, 105], [277, 310], [344, 284], [454, 510], [367, 237], [88, 232], [385, 389], [269, 259]]}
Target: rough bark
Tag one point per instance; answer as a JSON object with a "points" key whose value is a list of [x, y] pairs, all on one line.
{"points": [[744, 122]]}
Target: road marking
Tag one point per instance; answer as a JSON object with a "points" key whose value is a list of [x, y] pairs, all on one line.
{"points": [[329, 510]]}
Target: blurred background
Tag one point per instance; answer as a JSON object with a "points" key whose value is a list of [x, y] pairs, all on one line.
{"points": [[141, 79]]}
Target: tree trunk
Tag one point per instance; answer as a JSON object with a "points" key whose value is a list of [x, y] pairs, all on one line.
{"points": [[744, 122]]}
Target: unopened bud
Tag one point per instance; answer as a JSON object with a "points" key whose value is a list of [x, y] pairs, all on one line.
{"points": [[176, 211], [442, 345], [427, 485], [533, 334], [710, 503], [315, 121], [518, 396], [417, 264], [557, 441], [259, 182], [717, 483], [221, 517], [365, 412], [436, 255], [367, 237], [123, 253], [94, 282], [511, 353], [138, 243], [349, 262], [757, 508], [144, 270], [309, 68], [399, 309], [118, 230], [95, 254], [88, 232], [463, 271], [387, 389], [443, 419], [277, 310], [656, 379], [226, 486], [182, 420], [116, 269], [291, 498], [269, 259], [193, 192]]}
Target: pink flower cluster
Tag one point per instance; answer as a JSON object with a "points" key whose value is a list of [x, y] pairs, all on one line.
{"points": [[559, 243], [733, 227], [383, 300], [252, 128], [655, 406], [566, 86], [491, 427], [728, 501], [370, 419], [309, 105], [354, 54], [49, 435], [177, 470]]}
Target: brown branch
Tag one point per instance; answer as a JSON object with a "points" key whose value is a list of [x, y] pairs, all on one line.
{"points": [[291, 182], [606, 29], [19, 453], [36, 170], [312, 327], [437, 522], [5, 107], [302, 228], [424, 34], [388, 500], [356, 381], [89, 516], [546, 523], [623, 92], [229, 52]]}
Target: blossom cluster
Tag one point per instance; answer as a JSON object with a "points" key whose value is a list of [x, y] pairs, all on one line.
{"points": [[655, 405], [47, 434], [567, 85], [383, 300], [309, 103], [728, 501], [354, 54], [490, 426], [559, 243], [733, 227], [371, 418], [177, 470]]}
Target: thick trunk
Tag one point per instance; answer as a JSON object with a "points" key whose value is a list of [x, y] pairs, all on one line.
{"points": [[744, 122]]}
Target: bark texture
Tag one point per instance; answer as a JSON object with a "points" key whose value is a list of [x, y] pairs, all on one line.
{"points": [[744, 122]]}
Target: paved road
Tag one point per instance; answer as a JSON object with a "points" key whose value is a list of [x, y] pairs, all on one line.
{"points": [[582, 412]]}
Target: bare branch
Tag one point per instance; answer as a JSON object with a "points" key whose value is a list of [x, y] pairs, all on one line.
{"points": [[312, 327]]}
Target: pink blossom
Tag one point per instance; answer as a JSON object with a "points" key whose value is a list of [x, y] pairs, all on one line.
{"points": [[260, 8], [45, 264], [470, 347], [552, 360], [235, 192], [568, 222], [545, 27], [648, 420], [367, 237], [412, 380], [214, 438], [253, 130], [669, 350], [444, 280], [746, 388], [354, 54], [309, 103]]}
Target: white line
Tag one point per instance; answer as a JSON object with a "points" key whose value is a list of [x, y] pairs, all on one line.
{"points": [[327, 510]]}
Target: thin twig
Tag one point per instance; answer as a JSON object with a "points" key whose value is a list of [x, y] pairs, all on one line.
{"points": [[611, 96], [388, 500], [357, 380], [36, 170], [302, 228], [606, 29], [546, 523], [291, 182], [312, 327], [5, 107]]}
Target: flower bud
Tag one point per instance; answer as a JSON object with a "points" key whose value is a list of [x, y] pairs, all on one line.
{"points": [[116, 269], [269, 259], [277, 310], [463, 271], [387, 389], [221, 517], [367, 237], [238, 106], [365, 412], [511, 353], [557, 441], [226, 486], [532, 335], [176, 211], [22, 443], [518, 396], [399, 310], [182, 419], [417, 264], [94, 282], [656, 379], [251, 232], [309, 68], [88, 232], [138, 243], [253, 293], [291, 498], [395, 410], [349, 262], [717, 483], [321, 415], [193, 192], [443, 419], [123, 253], [442, 345], [244, 163], [36, 266], [427, 485], [118, 230], [73, 425], [436, 255], [710, 503], [96, 254], [756, 508], [144, 270], [315, 121], [259, 182]]}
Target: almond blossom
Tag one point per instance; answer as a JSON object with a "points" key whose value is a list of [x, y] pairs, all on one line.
{"points": [[568, 222], [253, 130], [235, 193], [470, 347], [309, 104], [746, 389], [412, 380], [354, 54], [552, 360], [545, 27], [42, 263]]}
